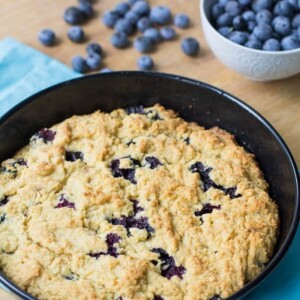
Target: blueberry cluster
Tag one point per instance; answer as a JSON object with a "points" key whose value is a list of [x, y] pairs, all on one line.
{"points": [[260, 24]]}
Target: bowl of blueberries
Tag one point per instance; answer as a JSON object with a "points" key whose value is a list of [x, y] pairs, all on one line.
{"points": [[259, 39]]}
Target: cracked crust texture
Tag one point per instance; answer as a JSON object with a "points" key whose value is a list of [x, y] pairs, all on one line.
{"points": [[44, 249]]}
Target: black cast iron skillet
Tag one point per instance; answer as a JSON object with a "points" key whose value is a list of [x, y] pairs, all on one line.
{"points": [[194, 101]]}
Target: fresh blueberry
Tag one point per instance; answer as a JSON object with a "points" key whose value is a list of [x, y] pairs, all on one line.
{"points": [[123, 26], [244, 2], [4, 201], [160, 15], [141, 8], [282, 25], [217, 10], [258, 5], [239, 23], [263, 31], [145, 63], [73, 156], [47, 37], [271, 45], [143, 24], [47, 135], [132, 17], [238, 37], [285, 9], [249, 15], [119, 40], [74, 16], [76, 34], [225, 31], [233, 8], [93, 61], [122, 8], [223, 2], [64, 202], [224, 20], [251, 25], [290, 43], [254, 44], [106, 70], [94, 48], [168, 33], [143, 44], [110, 18], [296, 21], [294, 3], [153, 34], [79, 64], [131, 2], [153, 162], [182, 21], [190, 46], [87, 9], [264, 16]]}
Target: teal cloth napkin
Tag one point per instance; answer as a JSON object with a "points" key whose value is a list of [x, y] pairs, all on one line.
{"points": [[25, 71]]}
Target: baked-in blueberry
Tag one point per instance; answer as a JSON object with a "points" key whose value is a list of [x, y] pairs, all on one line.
{"points": [[190, 46], [168, 33], [141, 8], [71, 277], [45, 134], [64, 202], [73, 155], [4, 201], [87, 9], [143, 44], [153, 34], [143, 24], [168, 266], [153, 162], [258, 5], [76, 34], [119, 40], [182, 21], [94, 48], [19, 162], [207, 209], [124, 26], [271, 45], [79, 64], [160, 15], [132, 17], [264, 16], [290, 43], [233, 8], [157, 297], [93, 61], [187, 140], [145, 63], [128, 173], [217, 10], [263, 31], [215, 297], [239, 23], [282, 25], [122, 8], [224, 20], [138, 109], [110, 18], [74, 16], [2, 218], [47, 37]]}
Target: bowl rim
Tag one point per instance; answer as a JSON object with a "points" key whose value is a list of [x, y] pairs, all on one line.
{"points": [[248, 287], [254, 51]]}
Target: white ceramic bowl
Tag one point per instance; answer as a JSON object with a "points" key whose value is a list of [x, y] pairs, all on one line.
{"points": [[254, 64]]}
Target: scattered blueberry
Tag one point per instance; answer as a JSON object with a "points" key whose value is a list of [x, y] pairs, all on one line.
{"points": [[2, 218], [110, 18], [182, 21], [190, 46], [74, 16], [143, 44], [123, 26], [271, 45], [238, 37], [4, 201], [239, 23], [254, 44], [145, 63], [73, 156], [79, 64], [153, 162], [207, 209], [168, 33], [282, 25], [119, 40], [87, 9], [168, 266], [160, 15], [132, 17], [47, 37], [143, 24], [153, 34], [122, 8], [141, 8], [76, 34], [106, 70], [94, 48], [93, 61], [263, 31], [290, 43], [45, 134], [64, 202]]}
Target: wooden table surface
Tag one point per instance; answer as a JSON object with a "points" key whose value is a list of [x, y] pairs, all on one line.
{"points": [[278, 101]]}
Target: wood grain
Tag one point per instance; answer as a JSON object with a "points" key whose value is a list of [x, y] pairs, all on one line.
{"points": [[278, 101]]}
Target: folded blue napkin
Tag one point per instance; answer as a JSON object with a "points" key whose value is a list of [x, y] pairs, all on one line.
{"points": [[25, 71]]}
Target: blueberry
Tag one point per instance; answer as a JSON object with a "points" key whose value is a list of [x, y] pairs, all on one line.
{"points": [[94, 48], [238, 37], [128, 173], [207, 209], [73, 156], [106, 70], [143, 44], [225, 31], [47, 37], [143, 24], [168, 33], [4, 201], [79, 64], [64, 202], [224, 20], [132, 17], [223, 2], [182, 21], [244, 2], [87, 9], [296, 21], [153, 34], [123, 26], [190, 46], [119, 40], [47, 135], [215, 297], [110, 18], [74, 16], [258, 5], [249, 15], [141, 8], [239, 23], [294, 3], [290, 43], [282, 25], [264, 16], [263, 31], [76, 34], [153, 162], [217, 10], [2, 218], [138, 109], [122, 8], [157, 297], [93, 61], [145, 63], [160, 15], [131, 2], [254, 44], [271, 45], [285, 9], [233, 8], [251, 25]]}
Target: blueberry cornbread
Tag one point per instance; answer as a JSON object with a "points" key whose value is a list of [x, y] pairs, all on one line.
{"points": [[134, 204]]}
